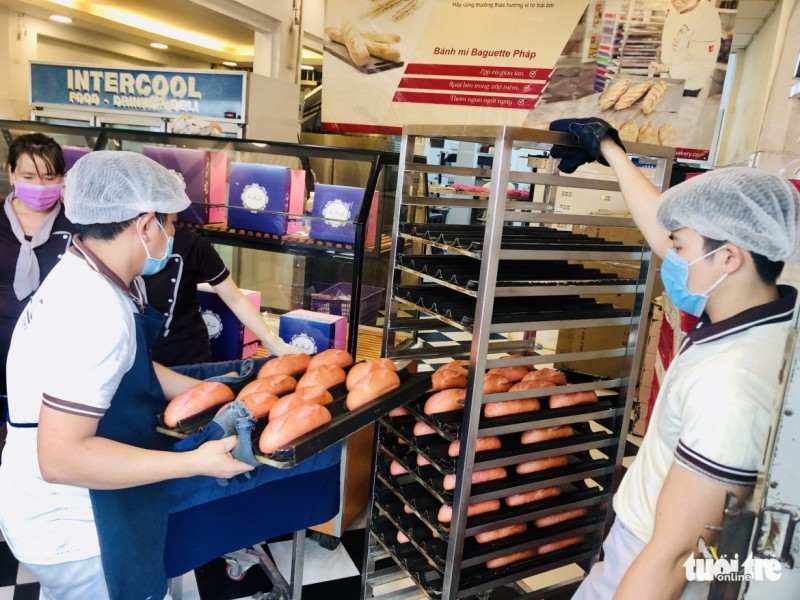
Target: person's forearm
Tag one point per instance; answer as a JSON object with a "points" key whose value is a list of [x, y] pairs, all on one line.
{"points": [[654, 574], [99, 463], [172, 383], [248, 314], [640, 195]]}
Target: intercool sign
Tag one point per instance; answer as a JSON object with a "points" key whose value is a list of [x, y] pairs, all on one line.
{"points": [[154, 92]]}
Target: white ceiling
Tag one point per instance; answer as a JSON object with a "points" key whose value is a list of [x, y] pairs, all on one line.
{"points": [[221, 37]]}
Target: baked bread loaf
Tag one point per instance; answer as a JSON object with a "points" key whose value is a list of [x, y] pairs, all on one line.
{"points": [[653, 97], [668, 135], [613, 92], [629, 131], [632, 94], [648, 134]]}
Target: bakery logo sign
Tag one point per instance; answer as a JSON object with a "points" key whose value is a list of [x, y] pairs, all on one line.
{"points": [[304, 342], [213, 323], [336, 213], [723, 569], [254, 197]]}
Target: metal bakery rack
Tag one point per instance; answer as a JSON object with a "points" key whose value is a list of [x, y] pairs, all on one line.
{"points": [[498, 285]]}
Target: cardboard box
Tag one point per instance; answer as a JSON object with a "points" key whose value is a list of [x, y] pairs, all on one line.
{"points": [[313, 332], [230, 339], [260, 196], [339, 205], [203, 172]]}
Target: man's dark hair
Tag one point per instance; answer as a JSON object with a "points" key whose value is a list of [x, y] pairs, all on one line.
{"points": [[768, 270], [109, 231]]}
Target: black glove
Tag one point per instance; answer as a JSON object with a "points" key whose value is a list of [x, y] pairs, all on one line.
{"points": [[588, 132]]}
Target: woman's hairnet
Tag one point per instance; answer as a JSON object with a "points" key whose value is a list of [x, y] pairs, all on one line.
{"points": [[115, 186], [754, 209]]}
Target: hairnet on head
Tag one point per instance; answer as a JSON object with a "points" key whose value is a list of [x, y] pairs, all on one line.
{"points": [[753, 209], [115, 186]]}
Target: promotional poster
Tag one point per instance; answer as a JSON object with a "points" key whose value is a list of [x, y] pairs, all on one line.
{"points": [[653, 68]]}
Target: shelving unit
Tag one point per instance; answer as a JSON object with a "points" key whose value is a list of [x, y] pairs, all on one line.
{"points": [[496, 285], [629, 39]]}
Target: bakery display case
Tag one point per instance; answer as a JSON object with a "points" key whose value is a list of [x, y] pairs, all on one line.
{"points": [[507, 473]]}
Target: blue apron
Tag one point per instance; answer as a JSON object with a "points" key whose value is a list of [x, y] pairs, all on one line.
{"points": [[132, 522]]}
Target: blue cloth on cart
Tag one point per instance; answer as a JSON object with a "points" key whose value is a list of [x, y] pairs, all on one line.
{"points": [[208, 520]]}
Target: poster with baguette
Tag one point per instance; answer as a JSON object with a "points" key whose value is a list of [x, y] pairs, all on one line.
{"points": [[388, 63], [658, 79]]}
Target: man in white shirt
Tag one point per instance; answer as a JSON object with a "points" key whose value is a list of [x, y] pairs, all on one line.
{"points": [[84, 501], [690, 44], [724, 237]]}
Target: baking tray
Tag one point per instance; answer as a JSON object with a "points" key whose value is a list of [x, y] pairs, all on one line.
{"points": [[460, 308], [464, 272], [343, 423], [375, 65], [470, 238]]}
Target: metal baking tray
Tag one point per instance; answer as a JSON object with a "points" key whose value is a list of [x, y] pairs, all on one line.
{"points": [[464, 272], [470, 238], [344, 422], [458, 307]]}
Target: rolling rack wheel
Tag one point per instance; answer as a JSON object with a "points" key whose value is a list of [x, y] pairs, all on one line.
{"points": [[329, 542]]}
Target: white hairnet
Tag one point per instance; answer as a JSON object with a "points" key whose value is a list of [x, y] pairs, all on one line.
{"points": [[115, 186], [754, 209]]}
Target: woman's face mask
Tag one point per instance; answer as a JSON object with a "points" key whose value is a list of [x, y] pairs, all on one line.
{"points": [[38, 197], [675, 275]]}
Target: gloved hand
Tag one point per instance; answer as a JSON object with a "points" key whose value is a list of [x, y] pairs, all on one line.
{"points": [[588, 132], [277, 347], [234, 419]]}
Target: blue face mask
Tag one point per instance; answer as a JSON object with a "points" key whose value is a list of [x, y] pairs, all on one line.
{"points": [[675, 275], [154, 265]]}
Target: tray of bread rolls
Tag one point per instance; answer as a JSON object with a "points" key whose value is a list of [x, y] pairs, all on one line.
{"points": [[539, 398], [520, 554], [302, 405]]}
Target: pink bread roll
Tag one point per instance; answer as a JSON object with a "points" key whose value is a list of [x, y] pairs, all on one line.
{"points": [[482, 445], [500, 533], [561, 517], [402, 538], [535, 384], [573, 399], [422, 428], [326, 376], [313, 394], [508, 559], [534, 436], [449, 378], [288, 364], [446, 512], [395, 468], [271, 384], [552, 547], [445, 401], [376, 383], [449, 482], [532, 496], [331, 356], [400, 411], [361, 369], [510, 407], [533, 466], [495, 384], [422, 461], [203, 396], [454, 364], [291, 426], [554, 376], [259, 403], [513, 374]]}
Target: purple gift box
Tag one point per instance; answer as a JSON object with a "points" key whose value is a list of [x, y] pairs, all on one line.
{"points": [[338, 204], [72, 154], [203, 173], [313, 332], [229, 338], [257, 195]]}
